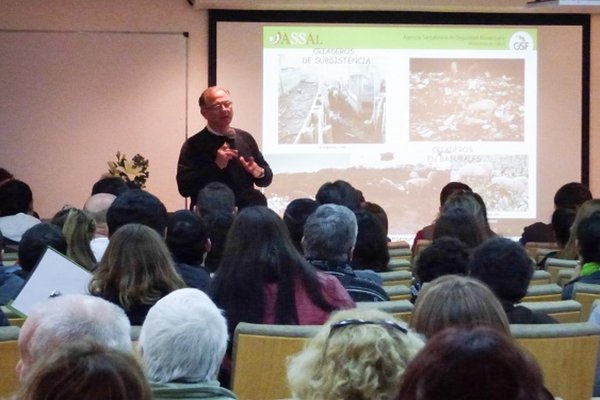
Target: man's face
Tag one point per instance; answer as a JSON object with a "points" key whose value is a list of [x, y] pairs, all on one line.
{"points": [[24, 364], [218, 110]]}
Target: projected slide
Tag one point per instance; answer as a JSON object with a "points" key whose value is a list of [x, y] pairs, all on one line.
{"points": [[403, 111]]}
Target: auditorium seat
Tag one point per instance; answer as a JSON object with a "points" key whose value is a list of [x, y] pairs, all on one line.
{"points": [[259, 359], [554, 265], [585, 293], [401, 309], [545, 292], [540, 277], [9, 357], [562, 311], [397, 292], [567, 354], [392, 278]]}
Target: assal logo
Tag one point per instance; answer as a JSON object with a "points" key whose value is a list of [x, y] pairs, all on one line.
{"points": [[521, 41], [294, 38]]}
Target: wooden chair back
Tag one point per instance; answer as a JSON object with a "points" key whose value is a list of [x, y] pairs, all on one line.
{"points": [[402, 277], [540, 277], [545, 292], [9, 357], [397, 292], [563, 311], [585, 293], [566, 353], [259, 359], [554, 265], [400, 309]]}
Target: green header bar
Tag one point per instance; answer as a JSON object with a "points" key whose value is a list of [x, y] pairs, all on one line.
{"points": [[357, 37]]}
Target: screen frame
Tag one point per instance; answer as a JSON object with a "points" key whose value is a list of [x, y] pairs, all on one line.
{"points": [[420, 18]]}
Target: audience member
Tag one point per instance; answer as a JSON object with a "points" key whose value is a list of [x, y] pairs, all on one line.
{"points": [[213, 197], [329, 239], [357, 354], [588, 241], [480, 363], [426, 233], [136, 271], [187, 240], [569, 196], [562, 220], [218, 224], [3, 319], [460, 224], [86, 370], [66, 319], [16, 210], [137, 206], [97, 206], [110, 184], [79, 228], [571, 251], [34, 243], [444, 256], [453, 300], [295, 215], [379, 212], [5, 176], [371, 249], [251, 197], [339, 192], [506, 268], [182, 343], [473, 204]]}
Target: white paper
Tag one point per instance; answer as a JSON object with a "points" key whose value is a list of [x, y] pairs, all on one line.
{"points": [[54, 275]]}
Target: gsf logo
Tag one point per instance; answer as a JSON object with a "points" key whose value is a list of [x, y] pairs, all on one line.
{"points": [[521, 41]]}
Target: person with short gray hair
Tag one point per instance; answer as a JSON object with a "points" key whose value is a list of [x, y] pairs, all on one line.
{"points": [[183, 342], [328, 242], [68, 318]]}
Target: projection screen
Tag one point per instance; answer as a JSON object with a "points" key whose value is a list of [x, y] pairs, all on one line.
{"points": [[399, 104]]}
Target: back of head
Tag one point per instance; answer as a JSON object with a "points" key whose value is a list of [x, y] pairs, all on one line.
{"points": [[136, 268], [444, 256], [329, 233], [97, 206], [460, 224], [588, 238], [69, 318], [215, 196], [87, 370], [187, 237], [79, 229], [504, 266], [585, 210], [15, 197], [453, 300], [251, 197], [451, 188], [339, 192], [562, 219], [111, 185], [35, 241], [571, 195], [357, 354], [191, 321], [475, 364], [371, 249], [379, 212], [137, 206], [218, 224], [295, 216]]}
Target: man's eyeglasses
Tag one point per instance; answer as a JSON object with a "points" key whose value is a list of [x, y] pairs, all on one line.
{"points": [[353, 322], [217, 106]]}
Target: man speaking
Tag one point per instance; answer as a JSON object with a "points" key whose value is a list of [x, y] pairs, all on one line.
{"points": [[220, 153]]}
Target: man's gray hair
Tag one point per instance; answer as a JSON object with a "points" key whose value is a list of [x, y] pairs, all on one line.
{"points": [[329, 233], [183, 338], [74, 317]]}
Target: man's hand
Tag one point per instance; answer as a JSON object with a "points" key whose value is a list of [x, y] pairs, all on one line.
{"points": [[224, 154], [252, 167]]}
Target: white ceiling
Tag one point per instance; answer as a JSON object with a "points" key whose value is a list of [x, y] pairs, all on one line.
{"points": [[507, 6]]}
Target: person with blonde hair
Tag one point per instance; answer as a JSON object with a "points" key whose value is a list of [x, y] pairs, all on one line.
{"points": [[136, 271], [453, 300], [357, 354], [571, 252], [79, 229], [86, 370]]}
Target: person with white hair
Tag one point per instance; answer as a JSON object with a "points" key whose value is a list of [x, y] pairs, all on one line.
{"points": [[69, 318], [182, 342]]}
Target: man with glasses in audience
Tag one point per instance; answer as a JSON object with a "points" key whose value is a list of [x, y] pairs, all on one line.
{"points": [[219, 152]]}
